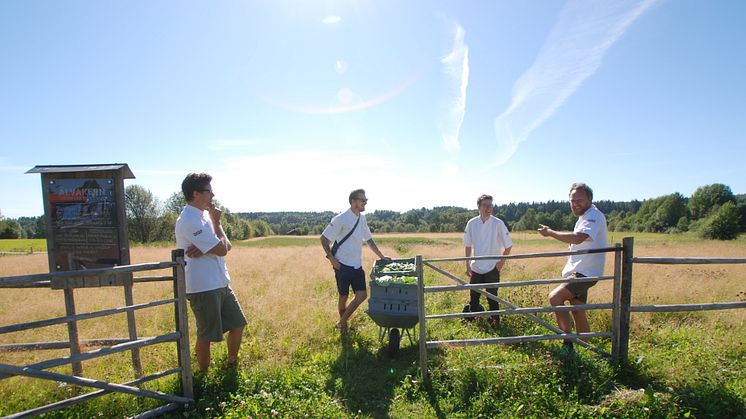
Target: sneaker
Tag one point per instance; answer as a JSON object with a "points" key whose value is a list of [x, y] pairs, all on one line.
{"points": [[567, 350]]}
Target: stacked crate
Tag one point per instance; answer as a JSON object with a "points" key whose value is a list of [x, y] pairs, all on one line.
{"points": [[393, 305]]}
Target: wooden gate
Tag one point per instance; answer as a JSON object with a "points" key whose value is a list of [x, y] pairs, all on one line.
{"points": [[68, 282]]}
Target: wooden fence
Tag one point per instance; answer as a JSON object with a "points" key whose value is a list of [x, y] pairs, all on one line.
{"points": [[68, 282], [620, 305]]}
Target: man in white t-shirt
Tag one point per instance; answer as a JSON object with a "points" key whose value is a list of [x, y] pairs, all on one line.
{"points": [[349, 230], [201, 235], [485, 235], [590, 232]]}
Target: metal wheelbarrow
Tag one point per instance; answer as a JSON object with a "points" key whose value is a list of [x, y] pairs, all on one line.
{"points": [[393, 300]]}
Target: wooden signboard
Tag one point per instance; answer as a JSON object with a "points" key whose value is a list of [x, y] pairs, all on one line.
{"points": [[85, 217]]}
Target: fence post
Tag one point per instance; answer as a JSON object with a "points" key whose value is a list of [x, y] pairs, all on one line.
{"points": [[616, 311], [182, 323], [132, 328], [625, 298], [421, 314], [72, 330]]}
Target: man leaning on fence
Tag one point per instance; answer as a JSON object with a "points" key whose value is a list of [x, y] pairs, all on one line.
{"points": [[589, 233], [485, 235], [200, 233]]}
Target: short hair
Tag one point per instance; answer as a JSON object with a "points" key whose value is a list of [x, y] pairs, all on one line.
{"points": [[357, 192], [483, 197], [579, 186], [194, 182]]}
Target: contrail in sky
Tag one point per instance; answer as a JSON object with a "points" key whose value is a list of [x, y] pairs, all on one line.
{"points": [[456, 65], [571, 53]]}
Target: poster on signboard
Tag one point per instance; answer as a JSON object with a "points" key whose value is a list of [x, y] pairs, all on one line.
{"points": [[84, 223]]}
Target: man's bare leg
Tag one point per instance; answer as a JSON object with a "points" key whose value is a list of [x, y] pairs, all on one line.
{"points": [[202, 351], [557, 297], [234, 344], [360, 296]]}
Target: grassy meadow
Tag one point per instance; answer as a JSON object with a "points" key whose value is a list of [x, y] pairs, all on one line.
{"points": [[295, 364]]}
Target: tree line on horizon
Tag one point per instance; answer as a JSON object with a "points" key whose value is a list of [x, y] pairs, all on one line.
{"points": [[713, 211]]}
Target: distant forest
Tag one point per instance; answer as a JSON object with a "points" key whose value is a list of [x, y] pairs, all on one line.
{"points": [[713, 211]]}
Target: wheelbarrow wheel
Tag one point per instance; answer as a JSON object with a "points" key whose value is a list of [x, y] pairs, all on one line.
{"points": [[394, 340]]}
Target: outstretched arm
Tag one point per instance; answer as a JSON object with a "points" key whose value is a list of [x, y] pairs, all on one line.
{"points": [[571, 238]]}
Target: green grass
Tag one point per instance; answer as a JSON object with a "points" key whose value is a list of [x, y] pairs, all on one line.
{"points": [[23, 245]]}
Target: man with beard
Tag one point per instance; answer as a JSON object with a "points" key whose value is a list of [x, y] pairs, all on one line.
{"points": [[589, 233]]}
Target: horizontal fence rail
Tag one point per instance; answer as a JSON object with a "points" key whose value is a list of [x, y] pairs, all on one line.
{"points": [[12, 281], [513, 339], [527, 310], [689, 261], [13, 347], [443, 288], [525, 255], [62, 320], [662, 308]]}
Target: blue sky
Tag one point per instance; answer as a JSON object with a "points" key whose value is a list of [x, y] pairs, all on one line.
{"points": [[291, 104]]}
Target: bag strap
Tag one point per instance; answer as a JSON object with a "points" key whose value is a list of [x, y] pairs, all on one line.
{"points": [[350, 233]]}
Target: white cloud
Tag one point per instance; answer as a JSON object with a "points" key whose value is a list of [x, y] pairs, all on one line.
{"points": [[572, 52], [456, 67]]}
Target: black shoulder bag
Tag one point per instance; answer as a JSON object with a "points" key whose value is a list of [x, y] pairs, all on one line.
{"points": [[336, 244]]}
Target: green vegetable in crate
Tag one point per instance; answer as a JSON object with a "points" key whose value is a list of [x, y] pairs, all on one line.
{"points": [[398, 267], [385, 280]]}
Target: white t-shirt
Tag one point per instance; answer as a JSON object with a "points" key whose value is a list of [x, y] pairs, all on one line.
{"points": [[207, 272], [489, 238], [350, 253], [592, 223]]}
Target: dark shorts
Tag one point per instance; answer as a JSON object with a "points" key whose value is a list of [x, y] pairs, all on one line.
{"points": [[579, 289], [348, 276], [216, 312]]}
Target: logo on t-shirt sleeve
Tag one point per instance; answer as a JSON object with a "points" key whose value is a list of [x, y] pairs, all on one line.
{"points": [[197, 233]]}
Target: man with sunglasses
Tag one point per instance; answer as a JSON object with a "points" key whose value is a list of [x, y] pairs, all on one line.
{"points": [[200, 233], [348, 230]]}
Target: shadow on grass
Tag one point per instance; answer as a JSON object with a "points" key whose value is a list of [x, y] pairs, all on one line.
{"points": [[215, 386], [365, 377]]}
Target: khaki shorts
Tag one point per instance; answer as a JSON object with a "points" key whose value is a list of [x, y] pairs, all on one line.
{"points": [[216, 311], [579, 289]]}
